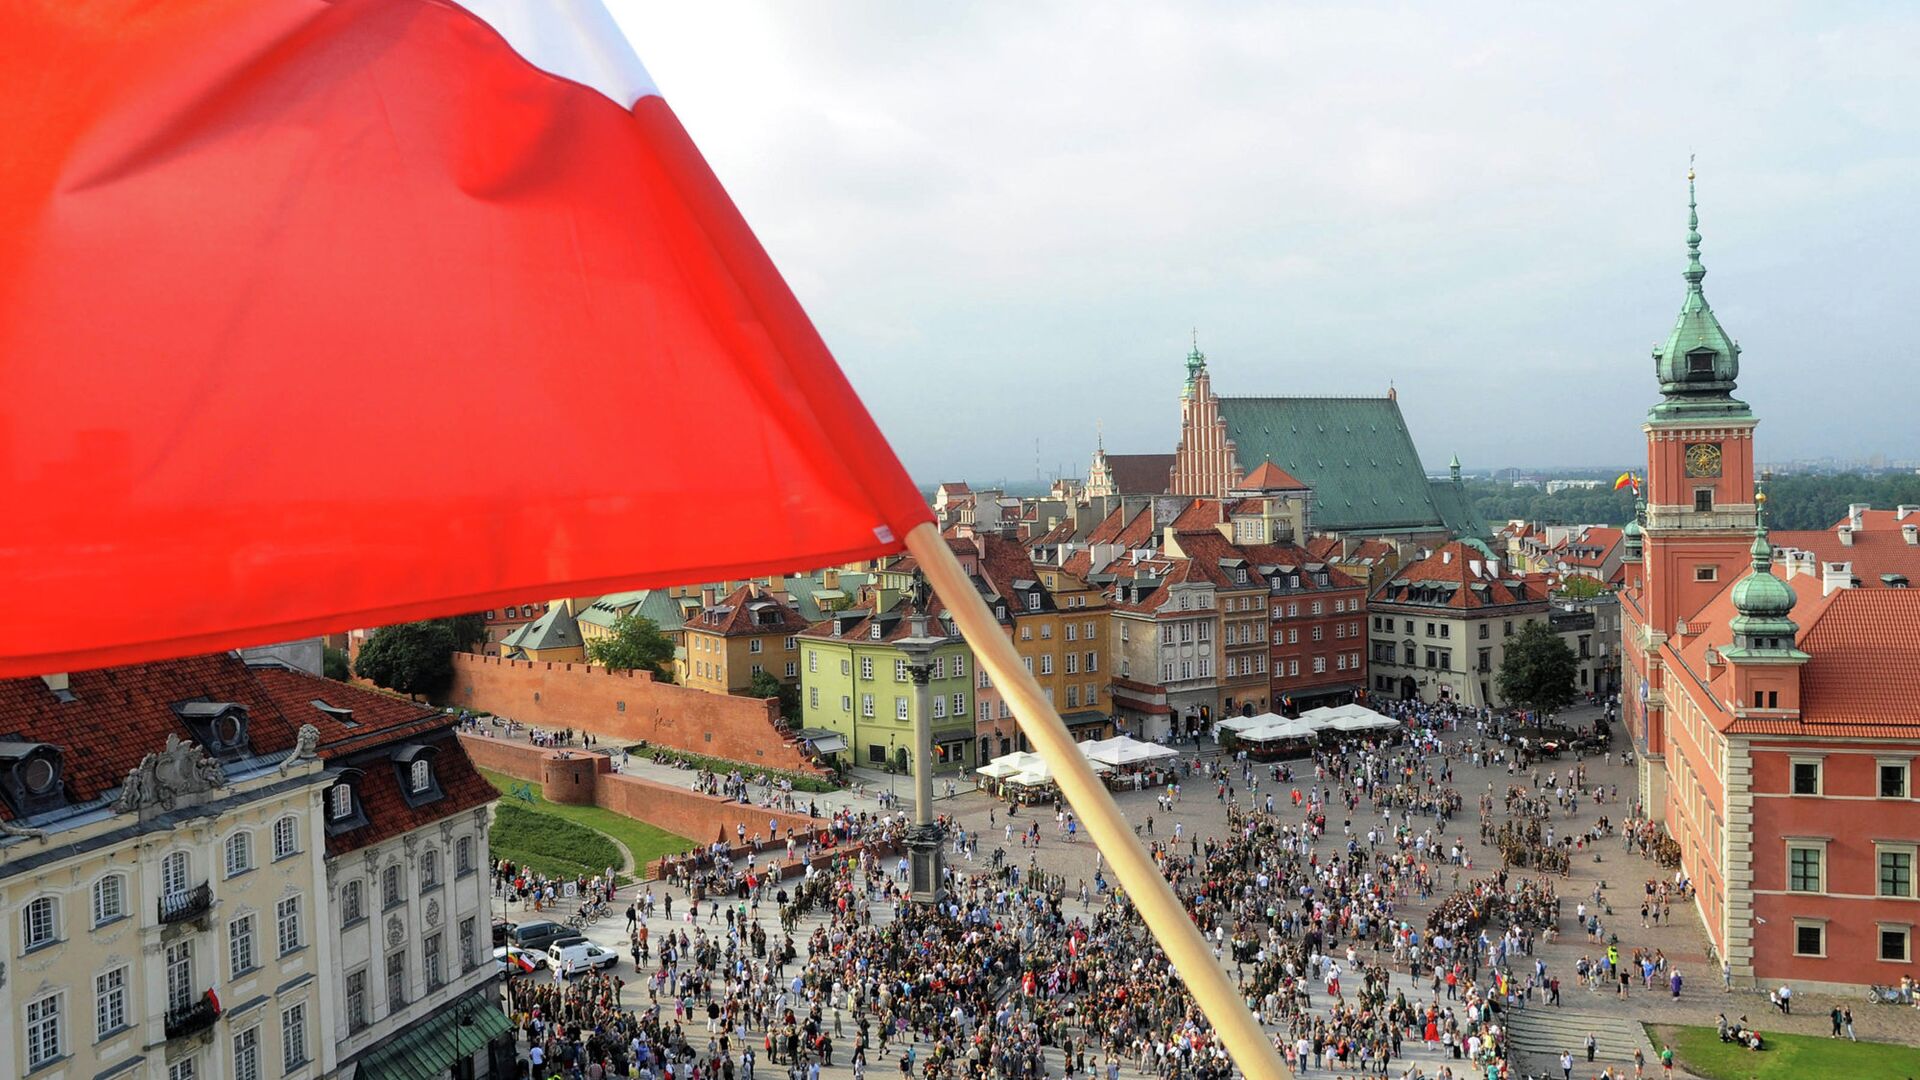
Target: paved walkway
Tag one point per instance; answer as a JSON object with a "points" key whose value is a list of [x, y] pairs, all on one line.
{"points": [[1542, 1031]]}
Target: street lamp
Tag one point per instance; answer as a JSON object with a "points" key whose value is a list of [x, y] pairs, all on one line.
{"points": [[891, 758], [466, 1021], [924, 839]]}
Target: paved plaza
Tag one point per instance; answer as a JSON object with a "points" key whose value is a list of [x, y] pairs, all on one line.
{"points": [[1539, 1032]]}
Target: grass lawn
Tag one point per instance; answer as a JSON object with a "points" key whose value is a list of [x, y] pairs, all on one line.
{"points": [[1700, 1051], [645, 841]]}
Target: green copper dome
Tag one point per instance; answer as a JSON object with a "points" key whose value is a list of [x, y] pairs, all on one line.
{"points": [[1630, 538], [1699, 363], [1762, 600]]}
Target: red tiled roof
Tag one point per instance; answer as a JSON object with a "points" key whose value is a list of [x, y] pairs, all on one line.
{"points": [[1453, 564], [739, 616], [121, 714], [1297, 556], [1270, 477], [1879, 548], [1199, 514], [1866, 658], [1323, 548], [388, 815]]}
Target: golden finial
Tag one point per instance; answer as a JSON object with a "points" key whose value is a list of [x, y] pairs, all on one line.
{"points": [[1689, 166]]}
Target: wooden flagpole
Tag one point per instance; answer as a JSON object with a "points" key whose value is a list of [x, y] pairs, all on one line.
{"points": [[1250, 1047]]}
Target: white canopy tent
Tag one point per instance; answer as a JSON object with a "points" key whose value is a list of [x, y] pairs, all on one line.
{"points": [[1010, 765], [1125, 750], [1248, 723], [1276, 732]]}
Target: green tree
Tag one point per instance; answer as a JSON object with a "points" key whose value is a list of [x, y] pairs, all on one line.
{"points": [[468, 631], [1581, 587], [1538, 670], [411, 658], [764, 685], [636, 644], [333, 664]]}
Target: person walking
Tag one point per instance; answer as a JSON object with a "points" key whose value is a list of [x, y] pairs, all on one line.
{"points": [[1593, 1046], [1846, 1019], [1566, 1065]]}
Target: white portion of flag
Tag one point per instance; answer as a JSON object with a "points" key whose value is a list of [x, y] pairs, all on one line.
{"points": [[574, 39]]}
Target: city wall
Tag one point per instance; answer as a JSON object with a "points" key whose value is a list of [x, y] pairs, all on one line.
{"points": [[625, 707]]}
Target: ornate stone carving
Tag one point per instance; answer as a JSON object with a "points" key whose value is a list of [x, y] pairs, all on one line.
{"points": [[396, 931], [411, 842], [306, 747], [161, 779], [433, 913], [8, 828]]}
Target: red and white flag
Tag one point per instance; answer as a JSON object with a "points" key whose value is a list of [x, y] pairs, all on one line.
{"points": [[331, 313]]}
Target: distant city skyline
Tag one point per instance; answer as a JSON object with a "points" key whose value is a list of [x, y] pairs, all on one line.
{"points": [[1006, 220]]}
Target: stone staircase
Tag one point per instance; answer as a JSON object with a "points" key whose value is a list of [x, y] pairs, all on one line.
{"points": [[1538, 1034]]}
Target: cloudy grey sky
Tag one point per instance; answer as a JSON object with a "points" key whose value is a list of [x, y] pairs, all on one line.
{"points": [[1006, 217]]}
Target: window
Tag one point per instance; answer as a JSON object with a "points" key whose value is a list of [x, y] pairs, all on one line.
{"points": [[846, 665], [1046, 664], [846, 702], [939, 667], [1046, 632], [1706, 573], [813, 697], [390, 886], [1809, 938], [1033, 601], [1318, 608], [1806, 777], [339, 802], [959, 705], [754, 645], [813, 660], [876, 753], [866, 704], [1293, 636], [792, 644], [430, 954], [467, 934], [293, 1037], [1073, 697], [1319, 633], [866, 668], [1895, 942], [419, 777], [39, 923], [109, 1002], [1319, 664], [899, 707], [1484, 631], [939, 708], [180, 974], [109, 898], [239, 846], [240, 953], [1703, 502], [181, 1070], [429, 869], [43, 1031], [463, 855], [173, 874], [246, 1055], [287, 917], [286, 840], [1073, 632], [1803, 868], [396, 980], [1896, 871], [353, 903], [1893, 780], [959, 667], [793, 669]]}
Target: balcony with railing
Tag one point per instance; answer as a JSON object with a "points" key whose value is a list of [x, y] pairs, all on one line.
{"points": [[191, 904], [192, 1018]]}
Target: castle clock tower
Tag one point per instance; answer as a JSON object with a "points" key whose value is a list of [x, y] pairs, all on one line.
{"points": [[1699, 516]]}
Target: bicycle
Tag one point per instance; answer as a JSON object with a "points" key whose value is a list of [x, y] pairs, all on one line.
{"points": [[1888, 995]]}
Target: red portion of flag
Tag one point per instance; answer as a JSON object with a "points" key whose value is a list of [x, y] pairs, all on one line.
{"points": [[317, 315]]}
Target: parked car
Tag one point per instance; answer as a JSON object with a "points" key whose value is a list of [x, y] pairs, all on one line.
{"points": [[538, 936], [583, 956], [501, 928], [517, 961]]}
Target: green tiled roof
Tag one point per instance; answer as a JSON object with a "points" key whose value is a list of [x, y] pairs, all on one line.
{"points": [[1355, 452], [553, 630], [654, 604], [426, 1049], [1456, 509]]}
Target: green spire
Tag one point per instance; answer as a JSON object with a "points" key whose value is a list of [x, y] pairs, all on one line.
{"points": [[1762, 600], [1196, 363], [1699, 362], [1631, 535]]}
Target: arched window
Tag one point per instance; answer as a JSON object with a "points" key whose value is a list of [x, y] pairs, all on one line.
{"points": [[421, 776], [463, 855], [340, 801], [286, 838], [173, 873], [39, 923], [353, 902], [239, 853], [429, 869], [390, 885], [109, 898]]}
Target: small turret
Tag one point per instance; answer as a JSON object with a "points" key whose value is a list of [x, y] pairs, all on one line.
{"points": [[1763, 601], [1699, 363]]}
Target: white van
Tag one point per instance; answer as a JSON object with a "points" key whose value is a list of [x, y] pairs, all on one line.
{"points": [[584, 956]]}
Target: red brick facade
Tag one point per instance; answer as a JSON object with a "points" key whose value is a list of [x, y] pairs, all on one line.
{"points": [[625, 706]]}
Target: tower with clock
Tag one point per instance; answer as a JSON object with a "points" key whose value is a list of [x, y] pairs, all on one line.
{"points": [[1697, 522]]}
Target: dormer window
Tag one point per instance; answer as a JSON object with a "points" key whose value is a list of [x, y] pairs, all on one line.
{"points": [[343, 717], [219, 726], [30, 777], [419, 784], [1700, 362], [345, 810], [340, 802]]}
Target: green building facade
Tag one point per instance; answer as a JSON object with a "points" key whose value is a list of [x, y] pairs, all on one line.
{"points": [[854, 681]]}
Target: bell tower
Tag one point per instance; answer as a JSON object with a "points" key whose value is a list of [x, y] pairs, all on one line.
{"points": [[1700, 511]]}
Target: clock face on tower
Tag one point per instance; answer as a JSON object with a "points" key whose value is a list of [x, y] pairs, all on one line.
{"points": [[1703, 459]]}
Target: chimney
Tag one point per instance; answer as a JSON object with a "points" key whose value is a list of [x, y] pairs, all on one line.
{"points": [[1906, 510], [706, 596], [1473, 567], [1846, 535], [1835, 575], [830, 578], [58, 684], [1911, 533], [1857, 514], [1446, 556]]}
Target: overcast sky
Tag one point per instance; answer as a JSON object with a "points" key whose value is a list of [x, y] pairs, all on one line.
{"points": [[1005, 218]]}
